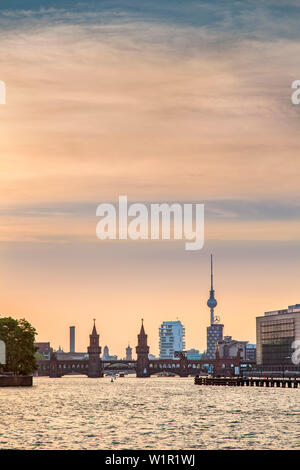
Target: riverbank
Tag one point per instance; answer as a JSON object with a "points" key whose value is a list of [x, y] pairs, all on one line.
{"points": [[15, 381]]}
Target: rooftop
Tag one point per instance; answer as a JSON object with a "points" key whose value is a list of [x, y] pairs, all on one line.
{"points": [[291, 309]]}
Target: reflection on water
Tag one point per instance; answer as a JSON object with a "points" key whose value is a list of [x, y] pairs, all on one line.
{"points": [[155, 413]]}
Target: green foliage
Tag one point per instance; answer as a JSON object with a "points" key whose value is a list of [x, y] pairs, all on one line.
{"points": [[19, 336], [39, 356]]}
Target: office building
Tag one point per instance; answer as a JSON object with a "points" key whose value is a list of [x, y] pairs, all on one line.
{"points": [[193, 354], [229, 347], [251, 352], [275, 333], [171, 339]]}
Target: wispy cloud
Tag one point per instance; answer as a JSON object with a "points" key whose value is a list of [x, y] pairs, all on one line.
{"points": [[162, 101], [121, 99]]}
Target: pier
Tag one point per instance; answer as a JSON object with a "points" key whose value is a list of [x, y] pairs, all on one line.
{"points": [[249, 382], [15, 381]]}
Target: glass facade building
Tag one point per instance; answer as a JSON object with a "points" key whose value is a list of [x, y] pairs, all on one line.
{"points": [[171, 339], [275, 332]]}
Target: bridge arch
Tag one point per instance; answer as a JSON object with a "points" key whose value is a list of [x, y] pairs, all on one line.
{"points": [[119, 366]]}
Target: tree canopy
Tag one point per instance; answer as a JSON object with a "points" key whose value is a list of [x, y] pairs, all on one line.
{"points": [[19, 336]]}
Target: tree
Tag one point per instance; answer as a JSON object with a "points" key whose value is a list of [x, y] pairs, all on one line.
{"points": [[39, 356], [19, 336]]}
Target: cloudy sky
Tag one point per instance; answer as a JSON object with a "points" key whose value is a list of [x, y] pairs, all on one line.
{"points": [[174, 101]]}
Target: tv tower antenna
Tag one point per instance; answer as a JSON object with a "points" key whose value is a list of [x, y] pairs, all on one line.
{"points": [[212, 303]]}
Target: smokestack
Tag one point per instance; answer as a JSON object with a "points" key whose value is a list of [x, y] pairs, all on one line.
{"points": [[72, 339]]}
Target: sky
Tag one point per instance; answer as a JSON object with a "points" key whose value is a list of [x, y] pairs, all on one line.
{"points": [[174, 101]]}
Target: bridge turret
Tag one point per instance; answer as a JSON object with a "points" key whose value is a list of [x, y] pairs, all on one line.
{"points": [[94, 351], [142, 351], [54, 372]]}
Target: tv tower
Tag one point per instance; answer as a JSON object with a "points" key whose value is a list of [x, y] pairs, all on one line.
{"points": [[212, 303], [215, 330]]}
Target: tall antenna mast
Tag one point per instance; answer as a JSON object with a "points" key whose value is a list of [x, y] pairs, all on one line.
{"points": [[212, 303], [211, 273]]}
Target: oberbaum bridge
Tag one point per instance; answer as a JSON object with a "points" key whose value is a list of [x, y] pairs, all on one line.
{"points": [[94, 366]]}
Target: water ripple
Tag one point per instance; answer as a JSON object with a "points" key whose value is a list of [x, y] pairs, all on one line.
{"points": [[156, 413]]}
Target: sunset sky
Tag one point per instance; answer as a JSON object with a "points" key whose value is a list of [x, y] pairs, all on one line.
{"points": [[173, 101]]}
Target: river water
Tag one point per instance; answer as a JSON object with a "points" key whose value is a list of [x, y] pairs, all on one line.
{"points": [[156, 413]]}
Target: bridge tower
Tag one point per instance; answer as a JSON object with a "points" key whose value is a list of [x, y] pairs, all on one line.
{"points": [[54, 372], [142, 351], [94, 351]]}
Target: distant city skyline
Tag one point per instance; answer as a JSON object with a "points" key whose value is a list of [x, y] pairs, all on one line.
{"points": [[107, 329], [118, 350]]}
